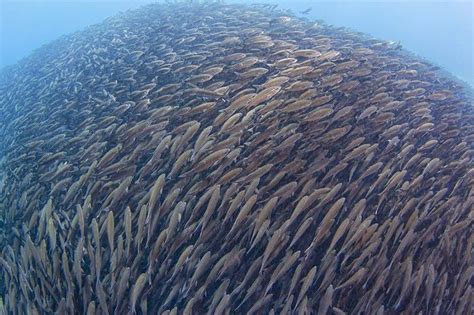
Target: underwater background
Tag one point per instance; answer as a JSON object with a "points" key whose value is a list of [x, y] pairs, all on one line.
{"points": [[439, 31], [236, 159]]}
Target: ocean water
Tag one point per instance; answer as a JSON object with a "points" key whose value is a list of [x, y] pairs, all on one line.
{"points": [[242, 161], [439, 31]]}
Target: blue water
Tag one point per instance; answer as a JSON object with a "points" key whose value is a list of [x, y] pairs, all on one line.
{"points": [[26, 25], [440, 31]]}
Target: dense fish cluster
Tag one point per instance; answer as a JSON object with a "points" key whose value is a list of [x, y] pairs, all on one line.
{"points": [[184, 159]]}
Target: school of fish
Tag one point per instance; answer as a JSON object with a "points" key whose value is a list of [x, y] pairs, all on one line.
{"points": [[232, 159]]}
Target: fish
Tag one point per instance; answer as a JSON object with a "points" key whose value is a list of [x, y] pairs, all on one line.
{"points": [[301, 230], [326, 300], [353, 279], [109, 156], [232, 159], [137, 290], [328, 219], [267, 93], [243, 213], [318, 114], [297, 106], [306, 284], [211, 206], [111, 230]]}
